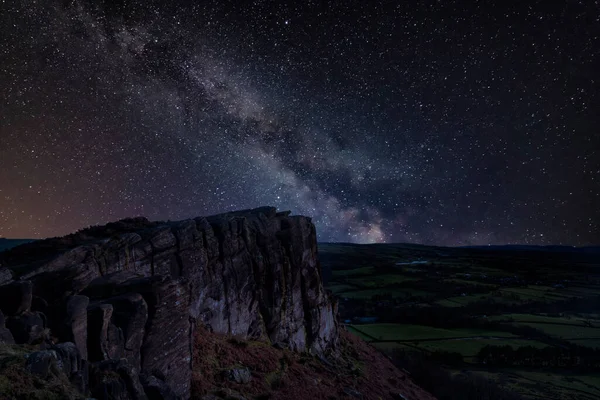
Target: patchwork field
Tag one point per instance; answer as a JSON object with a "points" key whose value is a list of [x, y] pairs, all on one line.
{"points": [[457, 307]]}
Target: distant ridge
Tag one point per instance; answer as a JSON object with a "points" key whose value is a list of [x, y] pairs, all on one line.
{"points": [[550, 248], [6, 244], [504, 247]]}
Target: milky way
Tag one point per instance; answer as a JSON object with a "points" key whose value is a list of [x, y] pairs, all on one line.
{"points": [[428, 122]]}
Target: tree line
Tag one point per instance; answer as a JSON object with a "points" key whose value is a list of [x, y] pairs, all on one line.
{"points": [[573, 356]]}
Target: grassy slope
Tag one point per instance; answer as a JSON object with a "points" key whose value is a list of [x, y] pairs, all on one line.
{"points": [[16, 383], [282, 374]]}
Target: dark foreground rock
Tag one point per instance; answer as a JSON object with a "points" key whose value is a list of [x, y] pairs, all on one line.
{"points": [[6, 336], [15, 297], [128, 297], [27, 328]]}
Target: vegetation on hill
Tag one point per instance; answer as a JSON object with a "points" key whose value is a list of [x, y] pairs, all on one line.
{"points": [[230, 366]]}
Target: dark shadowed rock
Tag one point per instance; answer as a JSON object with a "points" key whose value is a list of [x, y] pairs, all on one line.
{"points": [[157, 389], [75, 326], [105, 339], [5, 335], [28, 327], [130, 314], [66, 275], [5, 275], [39, 304], [116, 379], [43, 363], [73, 366], [80, 379], [108, 285], [15, 297], [69, 359], [167, 339]]}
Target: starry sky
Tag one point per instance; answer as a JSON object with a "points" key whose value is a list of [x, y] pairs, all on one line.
{"points": [[434, 122]]}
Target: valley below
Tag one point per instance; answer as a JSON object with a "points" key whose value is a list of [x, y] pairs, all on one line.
{"points": [[490, 323]]}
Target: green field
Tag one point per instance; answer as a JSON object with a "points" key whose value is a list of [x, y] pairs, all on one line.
{"points": [[458, 301], [585, 332], [467, 342], [563, 385]]}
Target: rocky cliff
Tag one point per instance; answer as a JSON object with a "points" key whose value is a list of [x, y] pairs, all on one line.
{"points": [[115, 307]]}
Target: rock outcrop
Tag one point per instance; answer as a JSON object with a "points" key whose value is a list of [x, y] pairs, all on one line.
{"points": [[127, 296]]}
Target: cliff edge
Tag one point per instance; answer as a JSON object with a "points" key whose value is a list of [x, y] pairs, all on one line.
{"points": [[121, 302]]}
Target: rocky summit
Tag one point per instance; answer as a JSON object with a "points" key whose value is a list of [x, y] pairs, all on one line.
{"points": [[230, 306], [114, 308]]}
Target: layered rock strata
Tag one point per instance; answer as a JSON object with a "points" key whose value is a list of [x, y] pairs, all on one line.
{"points": [[128, 295]]}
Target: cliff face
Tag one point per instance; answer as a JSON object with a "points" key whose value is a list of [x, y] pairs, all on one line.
{"points": [[129, 295]]}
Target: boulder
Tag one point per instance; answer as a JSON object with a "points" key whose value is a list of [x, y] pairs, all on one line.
{"points": [[73, 366], [43, 363], [69, 359], [239, 375]]}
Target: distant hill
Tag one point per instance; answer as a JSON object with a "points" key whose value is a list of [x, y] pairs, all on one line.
{"points": [[344, 255], [553, 249], [6, 244]]}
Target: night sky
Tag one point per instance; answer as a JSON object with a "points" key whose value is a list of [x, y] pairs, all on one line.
{"points": [[434, 122]]}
